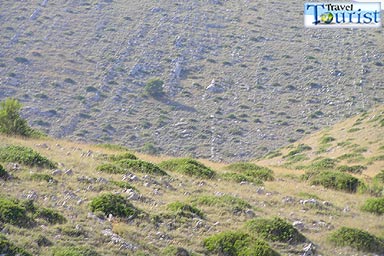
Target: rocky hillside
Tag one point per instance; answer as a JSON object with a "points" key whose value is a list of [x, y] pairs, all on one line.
{"points": [[241, 78], [321, 196]]}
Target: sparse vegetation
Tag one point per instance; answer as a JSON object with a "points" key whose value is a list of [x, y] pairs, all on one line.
{"points": [[8, 248], [113, 204], [374, 205], [154, 88], [24, 155], [233, 243], [74, 251], [50, 215], [13, 212], [11, 122], [248, 172], [224, 201], [334, 180], [141, 166], [188, 166], [275, 229], [185, 210], [358, 239], [3, 173], [42, 177]]}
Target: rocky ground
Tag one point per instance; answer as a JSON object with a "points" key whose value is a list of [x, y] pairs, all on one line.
{"points": [[241, 78]]}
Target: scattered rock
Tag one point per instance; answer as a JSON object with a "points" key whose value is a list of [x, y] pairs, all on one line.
{"points": [[69, 172], [298, 225], [309, 250], [288, 200], [250, 213], [32, 195], [57, 172], [214, 88]]}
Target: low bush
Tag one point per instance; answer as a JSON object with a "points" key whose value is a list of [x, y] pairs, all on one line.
{"points": [[12, 212], [119, 157], [225, 201], [248, 172], [234, 243], [323, 164], [3, 173], [42, 177], [113, 204], [275, 229], [49, 215], [185, 210], [141, 166], [110, 168], [188, 167], [379, 177], [326, 139], [8, 248], [335, 180], [174, 251], [25, 155], [358, 239], [357, 169], [122, 184], [374, 205], [300, 148], [74, 251]]}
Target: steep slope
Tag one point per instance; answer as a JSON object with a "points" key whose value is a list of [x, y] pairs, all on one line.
{"points": [[357, 141], [66, 209], [80, 68]]}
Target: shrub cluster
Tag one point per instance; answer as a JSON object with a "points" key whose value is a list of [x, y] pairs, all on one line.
{"points": [[248, 172], [12, 212], [358, 169], [8, 248], [51, 216], [224, 201], [119, 157], [374, 205], [188, 167], [25, 155], [233, 243], [185, 210], [74, 251], [275, 229], [358, 239], [113, 204], [333, 179], [141, 166], [3, 173]]}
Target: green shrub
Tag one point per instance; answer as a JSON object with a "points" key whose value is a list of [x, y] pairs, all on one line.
{"points": [[25, 155], [154, 88], [326, 139], [184, 210], [335, 180], [11, 121], [323, 164], [174, 251], [224, 201], [74, 251], [119, 157], [188, 166], [13, 212], [43, 177], [358, 239], [49, 215], [234, 243], [358, 169], [300, 148], [248, 172], [110, 168], [141, 166], [3, 173], [8, 248], [379, 177], [113, 204], [275, 229], [122, 184], [374, 205]]}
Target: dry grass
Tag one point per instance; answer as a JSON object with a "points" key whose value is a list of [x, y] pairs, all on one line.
{"points": [[157, 228]]}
